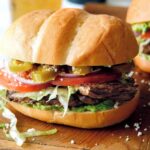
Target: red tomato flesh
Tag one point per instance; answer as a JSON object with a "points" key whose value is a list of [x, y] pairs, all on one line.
{"points": [[13, 84], [146, 35], [91, 78]]}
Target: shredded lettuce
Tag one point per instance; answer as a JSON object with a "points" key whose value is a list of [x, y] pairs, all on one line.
{"points": [[145, 56], [37, 96], [141, 27], [3, 99], [64, 99], [142, 42], [2, 125], [34, 133], [63, 95], [45, 107], [11, 130], [54, 93], [104, 105]]}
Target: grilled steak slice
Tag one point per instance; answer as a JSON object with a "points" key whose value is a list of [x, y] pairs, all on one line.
{"points": [[88, 100], [111, 90], [74, 101]]}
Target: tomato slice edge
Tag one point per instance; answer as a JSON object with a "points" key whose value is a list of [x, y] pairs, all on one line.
{"points": [[15, 85]]}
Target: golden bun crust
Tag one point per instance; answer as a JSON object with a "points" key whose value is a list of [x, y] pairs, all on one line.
{"points": [[84, 119], [142, 63], [139, 11], [69, 37]]}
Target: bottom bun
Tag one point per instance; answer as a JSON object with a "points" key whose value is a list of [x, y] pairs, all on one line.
{"points": [[142, 63], [82, 119]]}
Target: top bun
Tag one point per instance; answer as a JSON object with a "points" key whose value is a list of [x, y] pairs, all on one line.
{"points": [[139, 11], [69, 37]]}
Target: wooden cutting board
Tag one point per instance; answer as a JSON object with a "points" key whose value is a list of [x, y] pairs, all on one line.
{"points": [[112, 138]]}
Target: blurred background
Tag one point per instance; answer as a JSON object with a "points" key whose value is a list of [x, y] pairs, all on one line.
{"points": [[10, 10]]}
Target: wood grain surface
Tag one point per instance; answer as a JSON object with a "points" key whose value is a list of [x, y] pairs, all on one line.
{"points": [[112, 138]]}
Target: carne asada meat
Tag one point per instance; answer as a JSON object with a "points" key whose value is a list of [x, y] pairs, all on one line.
{"points": [[107, 90]]}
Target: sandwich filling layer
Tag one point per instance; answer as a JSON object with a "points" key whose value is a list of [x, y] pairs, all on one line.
{"points": [[66, 88], [142, 33], [89, 97]]}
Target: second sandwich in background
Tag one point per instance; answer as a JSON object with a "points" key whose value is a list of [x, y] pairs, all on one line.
{"points": [[139, 17]]}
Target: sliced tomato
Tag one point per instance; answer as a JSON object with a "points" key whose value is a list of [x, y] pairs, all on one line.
{"points": [[91, 78], [146, 35], [13, 84]]}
